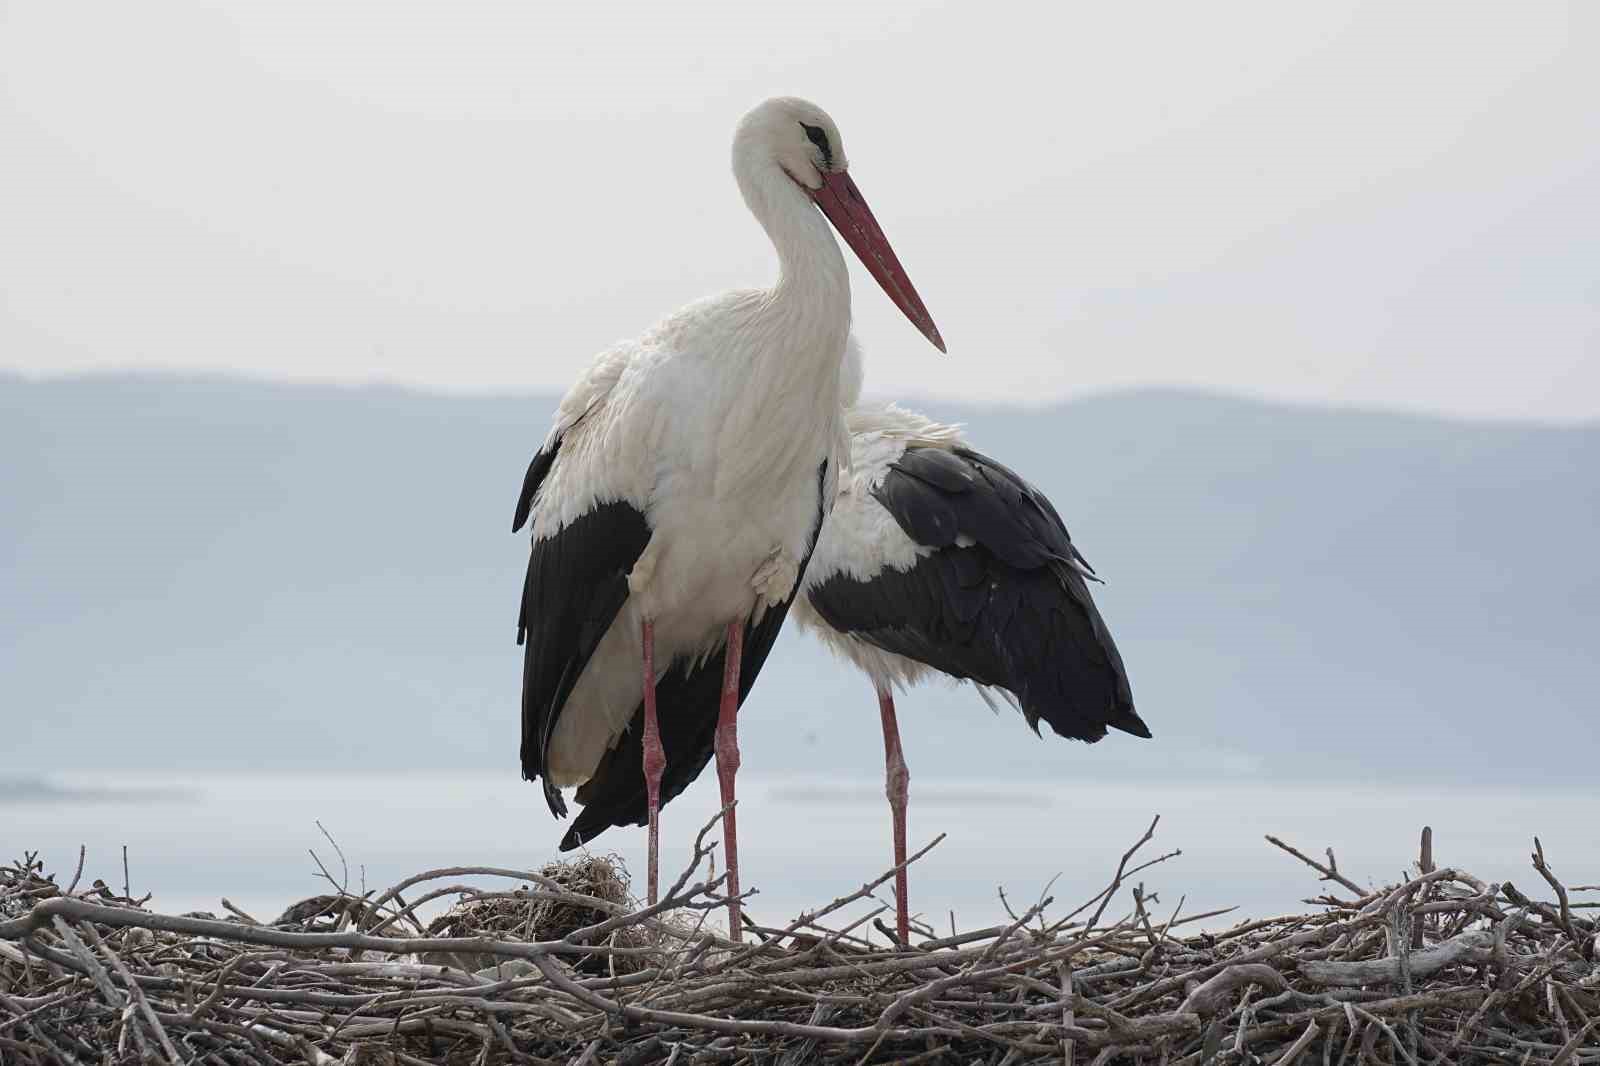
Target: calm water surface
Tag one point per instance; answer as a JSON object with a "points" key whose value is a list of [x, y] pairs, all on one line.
{"points": [[194, 838]]}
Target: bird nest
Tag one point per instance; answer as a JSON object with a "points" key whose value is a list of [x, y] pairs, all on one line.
{"points": [[566, 967], [592, 889]]}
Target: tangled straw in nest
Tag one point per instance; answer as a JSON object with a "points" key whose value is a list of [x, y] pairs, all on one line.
{"points": [[1441, 968]]}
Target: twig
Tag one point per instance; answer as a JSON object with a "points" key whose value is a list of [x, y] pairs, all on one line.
{"points": [[1329, 872], [1561, 892], [1294, 1050], [1116, 878], [83, 850]]}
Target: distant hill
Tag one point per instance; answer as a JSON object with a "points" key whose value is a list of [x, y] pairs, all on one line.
{"points": [[226, 573]]}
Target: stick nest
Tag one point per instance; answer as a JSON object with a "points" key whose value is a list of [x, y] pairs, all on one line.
{"points": [[564, 966]]}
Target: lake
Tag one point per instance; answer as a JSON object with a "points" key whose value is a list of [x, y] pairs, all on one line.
{"points": [[194, 837]]}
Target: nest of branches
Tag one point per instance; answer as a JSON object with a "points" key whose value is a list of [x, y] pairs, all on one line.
{"points": [[564, 967], [529, 915]]}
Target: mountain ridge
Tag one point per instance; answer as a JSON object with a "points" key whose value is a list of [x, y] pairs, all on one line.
{"points": [[280, 575]]}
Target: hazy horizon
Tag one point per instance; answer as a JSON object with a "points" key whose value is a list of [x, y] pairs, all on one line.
{"points": [[930, 404], [245, 836]]}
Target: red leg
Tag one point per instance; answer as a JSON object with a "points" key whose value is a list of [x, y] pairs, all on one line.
{"points": [[896, 777], [655, 760], [727, 766]]}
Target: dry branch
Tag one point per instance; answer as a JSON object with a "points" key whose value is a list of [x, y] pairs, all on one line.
{"points": [[1473, 946]]}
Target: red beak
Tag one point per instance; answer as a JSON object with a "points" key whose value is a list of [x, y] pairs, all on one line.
{"points": [[847, 209]]}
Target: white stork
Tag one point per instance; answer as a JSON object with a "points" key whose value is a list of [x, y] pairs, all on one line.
{"points": [[678, 497], [936, 559]]}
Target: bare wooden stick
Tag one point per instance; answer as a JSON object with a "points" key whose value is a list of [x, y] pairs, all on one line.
{"points": [[1329, 872], [1207, 999], [1116, 878], [120, 917], [135, 995], [1550, 878], [1419, 926], [1473, 946], [1292, 1053], [83, 850]]}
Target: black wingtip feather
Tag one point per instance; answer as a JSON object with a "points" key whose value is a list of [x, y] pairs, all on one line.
{"points": [[1129, 722], [1029, 626], [552, 796]]}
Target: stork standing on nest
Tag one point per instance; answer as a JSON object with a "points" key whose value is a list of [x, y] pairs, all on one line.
{"points": [[937, 559], [678, 497]]}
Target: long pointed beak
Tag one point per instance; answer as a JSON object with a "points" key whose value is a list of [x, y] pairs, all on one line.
{"points": [[847, 209]]}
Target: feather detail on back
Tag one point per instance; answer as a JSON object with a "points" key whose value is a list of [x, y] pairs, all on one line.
{"points": [[937, 558]]}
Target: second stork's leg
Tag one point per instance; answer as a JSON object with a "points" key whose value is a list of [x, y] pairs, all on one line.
{"points": [[896, 778], [727, 748], [655, 759]]}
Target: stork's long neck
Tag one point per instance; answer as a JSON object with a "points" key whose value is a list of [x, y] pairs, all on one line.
{"points": [[809, 307], [791, 385]]}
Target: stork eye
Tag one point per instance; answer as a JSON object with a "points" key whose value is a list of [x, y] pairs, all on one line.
{"points": [[819, 137]]}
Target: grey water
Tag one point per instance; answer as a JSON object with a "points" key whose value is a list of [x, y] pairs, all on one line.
{"points": [[193, 838]]}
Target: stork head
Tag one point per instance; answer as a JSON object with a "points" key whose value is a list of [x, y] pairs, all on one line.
{"points": [[798, 136], [799, 139]]}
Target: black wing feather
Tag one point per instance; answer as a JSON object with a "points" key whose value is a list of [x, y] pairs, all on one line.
{"points": [[543, 460], [577, 582], [688, 701], [687, 704], [1008, 610]]}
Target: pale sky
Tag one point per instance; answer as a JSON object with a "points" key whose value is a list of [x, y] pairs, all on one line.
{"points": [[1379, 204]]}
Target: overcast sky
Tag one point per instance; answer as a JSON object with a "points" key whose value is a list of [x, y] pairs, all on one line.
{"points": [[1379, 204]]}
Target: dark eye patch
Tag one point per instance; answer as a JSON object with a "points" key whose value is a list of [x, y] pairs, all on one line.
{"points": [[819, 137]]}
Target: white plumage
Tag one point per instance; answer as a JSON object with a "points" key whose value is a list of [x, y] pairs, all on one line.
{"points": [[860, 538], [679, 493], [666, 424]]}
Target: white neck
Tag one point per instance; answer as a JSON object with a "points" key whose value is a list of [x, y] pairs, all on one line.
{"points": [[810, 304]]}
